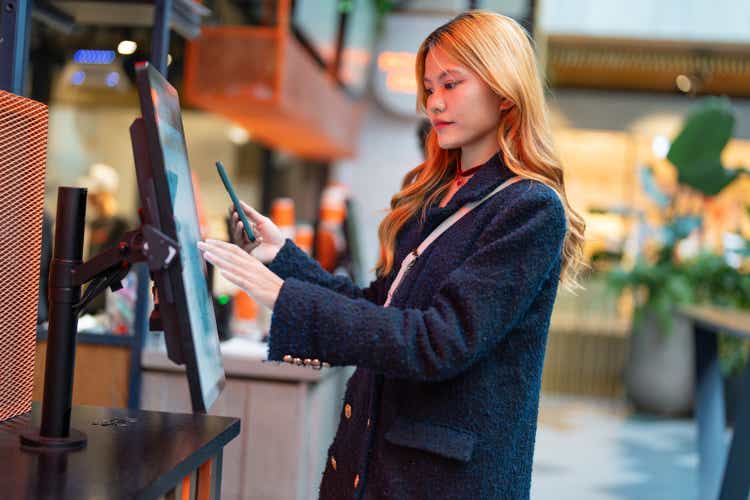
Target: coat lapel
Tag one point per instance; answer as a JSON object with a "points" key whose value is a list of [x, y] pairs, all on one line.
{"points": [[493, 173]]}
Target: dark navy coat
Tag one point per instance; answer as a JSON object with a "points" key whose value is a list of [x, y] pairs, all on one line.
{"points": [[444, 401]]}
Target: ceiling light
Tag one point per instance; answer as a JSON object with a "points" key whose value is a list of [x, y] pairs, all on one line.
{"points": [[127, 47]]}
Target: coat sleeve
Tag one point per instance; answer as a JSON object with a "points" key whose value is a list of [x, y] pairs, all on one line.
{"points": [[475, 307], [293, 262]]}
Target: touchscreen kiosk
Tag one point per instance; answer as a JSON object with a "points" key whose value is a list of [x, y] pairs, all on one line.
{"points": [[184, 309]]}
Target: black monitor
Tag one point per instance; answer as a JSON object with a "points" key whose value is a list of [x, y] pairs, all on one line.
{"points": [[184, 310]]}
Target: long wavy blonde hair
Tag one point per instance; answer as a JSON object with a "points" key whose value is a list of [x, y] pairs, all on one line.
{"points": [[500, 52]]}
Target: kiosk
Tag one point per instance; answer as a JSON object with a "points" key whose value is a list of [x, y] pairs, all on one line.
{"points": [[87, 452]]}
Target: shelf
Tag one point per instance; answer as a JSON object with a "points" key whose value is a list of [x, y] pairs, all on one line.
{"points": [[262, 79]]}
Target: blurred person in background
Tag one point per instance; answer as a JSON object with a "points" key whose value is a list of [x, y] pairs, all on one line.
{"points": [[449, 348], [105, 226]]}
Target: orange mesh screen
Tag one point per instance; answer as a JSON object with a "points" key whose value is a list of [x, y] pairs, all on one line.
{"points": [[23, 148]]}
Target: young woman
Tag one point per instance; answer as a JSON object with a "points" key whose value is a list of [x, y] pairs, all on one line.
{"points": [[444, 400]]}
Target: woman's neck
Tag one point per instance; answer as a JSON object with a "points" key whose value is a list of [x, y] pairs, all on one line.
{"points": [[477, 155]]}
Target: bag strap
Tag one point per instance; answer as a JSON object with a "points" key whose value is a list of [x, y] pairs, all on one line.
{"points": [[408, 261]]}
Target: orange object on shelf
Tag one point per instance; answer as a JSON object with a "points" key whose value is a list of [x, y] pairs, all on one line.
{"points": [[303, 237], [282, 212], [326, 251], [330, 243], [244, 306]]}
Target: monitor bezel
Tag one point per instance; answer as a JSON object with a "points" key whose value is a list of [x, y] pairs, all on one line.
{"points": [[158, 210]]}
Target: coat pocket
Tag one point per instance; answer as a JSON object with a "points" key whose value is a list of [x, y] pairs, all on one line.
{"points": [[433, 438]]}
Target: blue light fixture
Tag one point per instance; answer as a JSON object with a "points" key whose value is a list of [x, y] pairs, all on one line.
{"points": [[113, 78], [78, 78], [85, 56]]}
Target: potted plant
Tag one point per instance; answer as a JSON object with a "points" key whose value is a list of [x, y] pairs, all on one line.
{"points": [[716, 282], [660, 370]]}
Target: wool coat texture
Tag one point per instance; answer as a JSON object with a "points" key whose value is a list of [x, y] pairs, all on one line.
{"points": [[444, 401]]}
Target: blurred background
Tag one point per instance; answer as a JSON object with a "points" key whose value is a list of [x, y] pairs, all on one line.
{"points": [[311, 106]]}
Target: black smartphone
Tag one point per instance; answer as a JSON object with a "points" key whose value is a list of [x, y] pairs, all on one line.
{"points": [[235, 201]]}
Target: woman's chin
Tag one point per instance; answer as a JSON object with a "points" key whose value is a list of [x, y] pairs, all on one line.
{"points": [[448, 143]]}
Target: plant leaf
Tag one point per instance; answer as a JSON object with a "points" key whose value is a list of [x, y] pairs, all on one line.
{"points": [[696, 151]]}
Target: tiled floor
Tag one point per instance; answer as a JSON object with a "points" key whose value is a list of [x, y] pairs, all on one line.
{"points": [[599, 450]]}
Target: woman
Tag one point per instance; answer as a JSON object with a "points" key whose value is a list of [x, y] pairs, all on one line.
{"points": [[444, 401]]}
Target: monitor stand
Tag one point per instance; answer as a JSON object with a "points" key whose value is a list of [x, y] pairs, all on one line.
{"points": [[67, 274]]}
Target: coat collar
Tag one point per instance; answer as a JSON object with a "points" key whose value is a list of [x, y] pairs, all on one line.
{"points": [[493, 173]]}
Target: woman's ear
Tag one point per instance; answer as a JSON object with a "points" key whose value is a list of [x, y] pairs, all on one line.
{"points": [[506, 104]]}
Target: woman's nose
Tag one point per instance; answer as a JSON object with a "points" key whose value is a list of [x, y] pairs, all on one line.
{"points": [[435, 103]]}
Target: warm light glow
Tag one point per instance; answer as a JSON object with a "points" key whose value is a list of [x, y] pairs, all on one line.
{"points": [[660, 146], [683, 83], [399, 70], [127, 47], [238, 135]]}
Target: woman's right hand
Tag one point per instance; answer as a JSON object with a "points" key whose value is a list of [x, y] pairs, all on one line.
{"points": [[266, 232]]}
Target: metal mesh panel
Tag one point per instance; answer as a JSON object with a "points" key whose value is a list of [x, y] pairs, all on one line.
{"points": [[23, 147]]}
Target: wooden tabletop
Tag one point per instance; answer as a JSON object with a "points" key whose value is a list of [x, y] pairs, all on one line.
{"points": [[731, 321], [243, 359], [145, 456]]}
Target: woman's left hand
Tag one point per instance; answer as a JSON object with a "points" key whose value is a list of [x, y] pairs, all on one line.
{"points": [[244, 270]]}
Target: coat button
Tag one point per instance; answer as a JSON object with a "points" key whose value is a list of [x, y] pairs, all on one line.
{"points": [[368, 423], [333, 462], [348, 410], [356, 481], [287, 358]]}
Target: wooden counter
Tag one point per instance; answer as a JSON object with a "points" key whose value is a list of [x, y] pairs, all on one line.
{"points": [[289, 418]]}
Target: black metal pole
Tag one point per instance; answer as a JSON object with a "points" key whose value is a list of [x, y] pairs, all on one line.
{"points": [[55, 431], [14, 43], [335, 68], [63, 322], [160, 35]]}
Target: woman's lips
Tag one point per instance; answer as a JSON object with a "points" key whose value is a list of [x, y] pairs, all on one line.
{"points": [[439, 125]]}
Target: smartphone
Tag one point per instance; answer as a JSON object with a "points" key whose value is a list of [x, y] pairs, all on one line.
{"points": [[235, 201]]}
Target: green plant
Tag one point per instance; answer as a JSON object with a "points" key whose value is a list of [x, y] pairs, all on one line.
{"points": [[717, 283], [658, 279], [657, 287]]}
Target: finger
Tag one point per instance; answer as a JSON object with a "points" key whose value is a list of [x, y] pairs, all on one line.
{"points": [[217, 251], [226, 263], [229, 248], [252, 213], [233, 279], [239, 233], [228, 272], [233, 213], [229, 251]]}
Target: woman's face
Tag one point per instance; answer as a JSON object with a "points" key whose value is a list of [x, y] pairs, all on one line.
{"points": [[464, 111]]}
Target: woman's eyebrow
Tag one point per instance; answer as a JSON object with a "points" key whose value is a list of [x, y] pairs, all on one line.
{"points": [[442, 75]]}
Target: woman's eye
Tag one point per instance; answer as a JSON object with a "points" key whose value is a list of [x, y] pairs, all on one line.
{"points": [[428, 91], [450, 85]]}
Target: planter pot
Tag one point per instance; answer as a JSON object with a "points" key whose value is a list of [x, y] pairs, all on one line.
{"points": [[660, 372]]}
